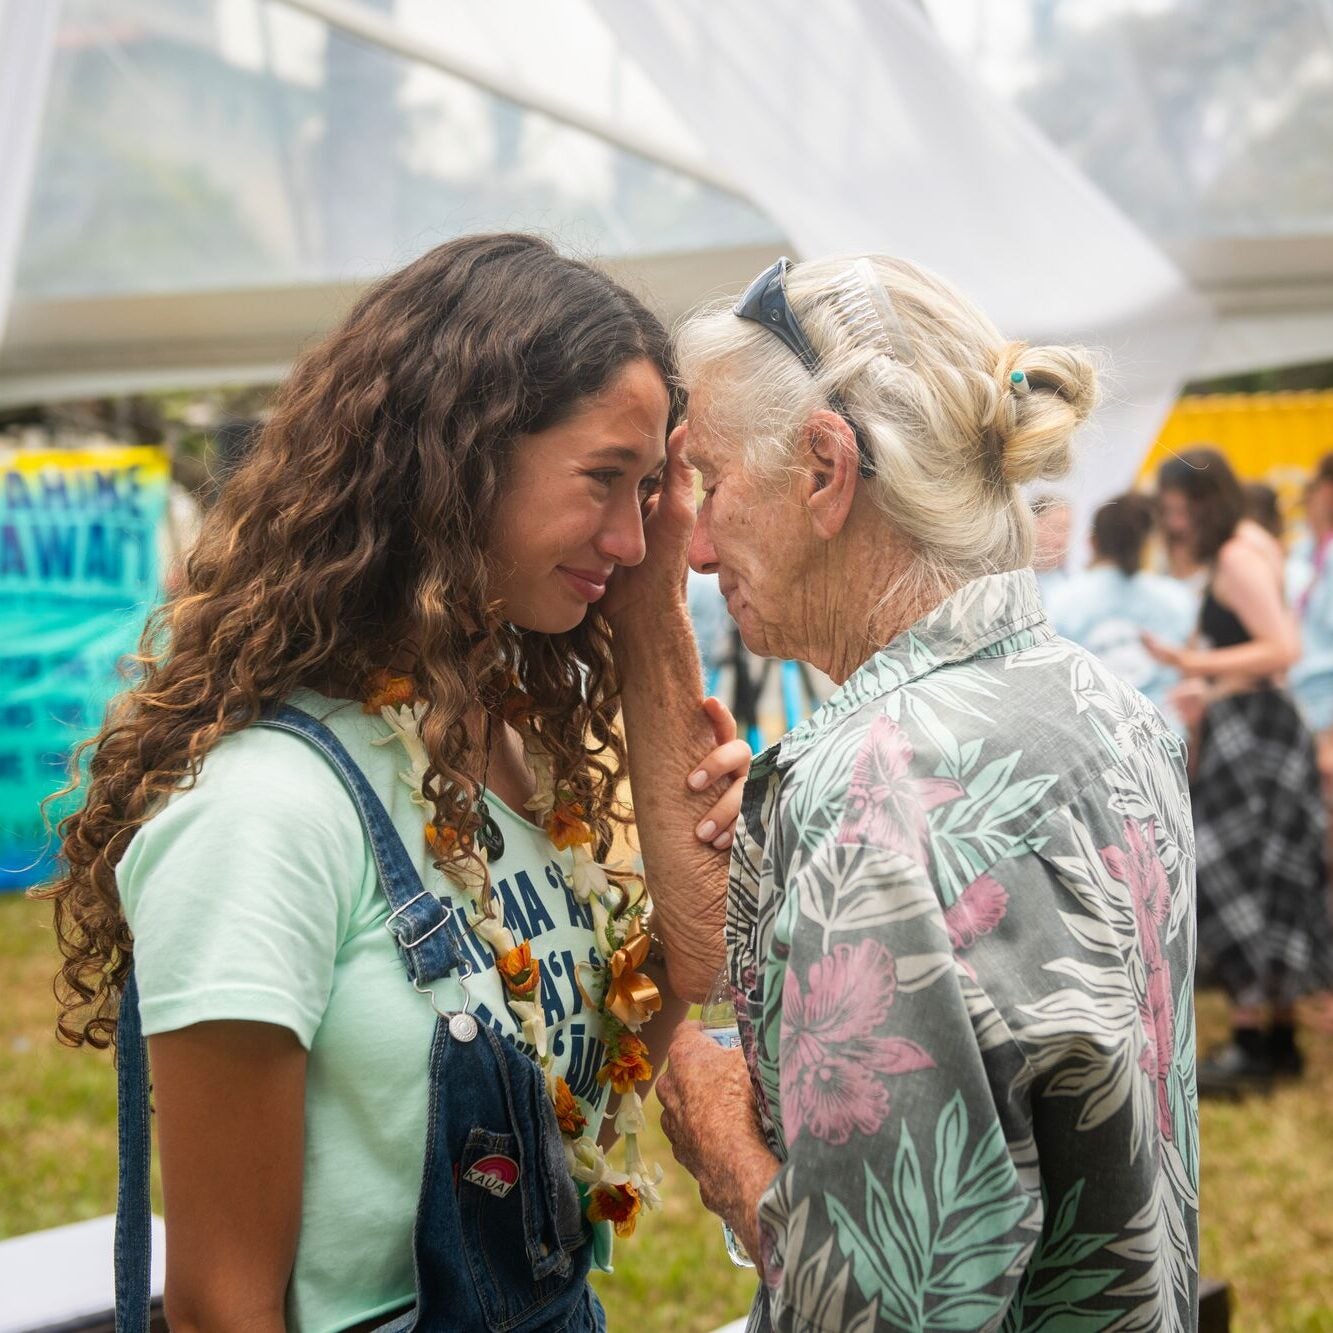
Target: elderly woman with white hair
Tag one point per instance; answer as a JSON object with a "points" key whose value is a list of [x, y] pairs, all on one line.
{"points": [[960, 927]]}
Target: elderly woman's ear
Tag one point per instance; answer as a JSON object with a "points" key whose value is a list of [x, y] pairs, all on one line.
{"points": [[830, 473]]}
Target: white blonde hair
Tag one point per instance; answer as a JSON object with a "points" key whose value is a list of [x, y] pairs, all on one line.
{"points": [[950, 435]]}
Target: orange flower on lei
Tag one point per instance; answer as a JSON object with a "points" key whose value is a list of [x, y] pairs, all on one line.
{"points": [[618, 1204], [572, 1121], [520, 970], [441, 840], [566, 827], [388, 691], [517, 707], [627, 1064]]}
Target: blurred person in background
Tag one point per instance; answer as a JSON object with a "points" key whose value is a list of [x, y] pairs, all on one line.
{"points": [[1107, 607], [196, 483], [232, 441], [187, 497], [1310, 585], [1263, 507], [1052, 524], [1264, 933], [1178, 548], [712, 625], [961, 915], [1317, 514]]}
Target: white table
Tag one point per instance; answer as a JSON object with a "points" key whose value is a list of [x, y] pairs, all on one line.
{"points": [[65, 1275]]}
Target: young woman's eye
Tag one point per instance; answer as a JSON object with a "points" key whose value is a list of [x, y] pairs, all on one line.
{"points": [[650, 485], [605, 476]]}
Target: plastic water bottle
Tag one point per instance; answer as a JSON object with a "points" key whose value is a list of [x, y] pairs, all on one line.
{"points": [[718, 1017]]}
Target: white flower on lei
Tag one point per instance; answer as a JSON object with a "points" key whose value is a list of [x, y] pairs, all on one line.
{"points": [[601, 918], [588, 1164], [645, 1182], [645, 1178], [404, 724], [588, 879], [529, 1013], [604, 906], [629, 1115], [493, 931]]}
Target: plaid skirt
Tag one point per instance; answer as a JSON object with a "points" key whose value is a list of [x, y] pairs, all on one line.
{"points": [[1264, 930]]}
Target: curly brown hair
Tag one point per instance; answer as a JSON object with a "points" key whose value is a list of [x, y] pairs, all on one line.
{"points": [[1216, 502], [356, 524]]}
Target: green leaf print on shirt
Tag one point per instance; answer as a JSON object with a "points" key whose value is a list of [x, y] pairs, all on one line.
{"points": [[1049, 1295], [928, 1251]]}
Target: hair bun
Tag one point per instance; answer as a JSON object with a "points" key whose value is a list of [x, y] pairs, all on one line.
{"points": [[1035, 430]]}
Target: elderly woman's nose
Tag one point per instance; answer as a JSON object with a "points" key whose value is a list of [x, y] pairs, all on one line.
{"points": [[702, 557]]}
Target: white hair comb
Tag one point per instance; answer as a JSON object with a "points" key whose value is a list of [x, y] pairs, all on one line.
{"points": [[863, 306]]}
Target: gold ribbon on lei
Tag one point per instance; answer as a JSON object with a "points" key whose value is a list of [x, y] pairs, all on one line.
{"points": [[631, 997]]}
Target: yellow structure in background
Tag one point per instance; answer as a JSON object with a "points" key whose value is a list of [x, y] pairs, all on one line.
{"points": [[1272, 437]]}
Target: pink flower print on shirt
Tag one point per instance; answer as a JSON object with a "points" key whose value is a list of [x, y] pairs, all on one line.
{"points": [[979, 909], [886, 804], [1141, 871], [833, 1070]]}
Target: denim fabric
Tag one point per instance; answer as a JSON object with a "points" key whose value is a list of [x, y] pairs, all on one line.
{"points": [[500, 1241], [133, 1247]]}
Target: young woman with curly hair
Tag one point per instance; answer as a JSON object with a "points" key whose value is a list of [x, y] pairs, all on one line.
{"points": [[339, 856]]}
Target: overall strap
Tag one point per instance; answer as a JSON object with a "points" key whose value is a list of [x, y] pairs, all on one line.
{"points": [[428, 943], [428, 940], [134, 1236]]}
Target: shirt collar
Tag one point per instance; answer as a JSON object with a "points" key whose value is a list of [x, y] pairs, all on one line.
{"points": [[991, 616]]}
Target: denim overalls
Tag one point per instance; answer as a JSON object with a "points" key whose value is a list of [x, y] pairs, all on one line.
{"points": [[500, 1244]]}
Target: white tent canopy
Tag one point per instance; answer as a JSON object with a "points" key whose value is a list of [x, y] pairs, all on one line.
{"points": [[215, 179]]}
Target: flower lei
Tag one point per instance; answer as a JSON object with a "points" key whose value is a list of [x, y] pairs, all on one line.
{"points": [[617, 990]]}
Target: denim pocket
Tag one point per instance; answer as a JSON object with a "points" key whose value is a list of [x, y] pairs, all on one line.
{"points": [[496, 1207]]}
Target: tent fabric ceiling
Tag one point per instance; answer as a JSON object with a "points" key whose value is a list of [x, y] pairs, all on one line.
{"points": [[1200, 120], [926, 163], [216, 180], [1210, 125], [214, 177], [241, 144]]}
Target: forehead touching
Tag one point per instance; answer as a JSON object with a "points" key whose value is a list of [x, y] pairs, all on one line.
{"points": [[705, 449]]}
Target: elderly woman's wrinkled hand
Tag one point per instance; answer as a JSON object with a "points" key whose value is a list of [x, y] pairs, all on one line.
{"points": [[709, 1117]]}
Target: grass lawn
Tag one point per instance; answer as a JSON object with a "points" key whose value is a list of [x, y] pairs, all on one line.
{"points": [[1267, 1193]]}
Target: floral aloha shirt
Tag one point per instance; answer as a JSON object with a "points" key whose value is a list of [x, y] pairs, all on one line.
{"points": [[961, 938]]}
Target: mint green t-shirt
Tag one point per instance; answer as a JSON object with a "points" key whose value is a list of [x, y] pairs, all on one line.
{"points": [[253, 895]]}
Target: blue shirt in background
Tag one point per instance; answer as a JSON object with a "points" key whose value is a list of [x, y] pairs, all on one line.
{"points": [[1310, 586], [1105, 611], [1050, 581], [1300, 568], [708, 612]]}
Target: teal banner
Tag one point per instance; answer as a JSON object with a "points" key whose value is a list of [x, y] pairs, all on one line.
{"points": [[78, 575]]}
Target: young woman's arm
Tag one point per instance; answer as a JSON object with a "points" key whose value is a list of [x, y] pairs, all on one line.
{"points": [[1245, 584], [230, 1112]]}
